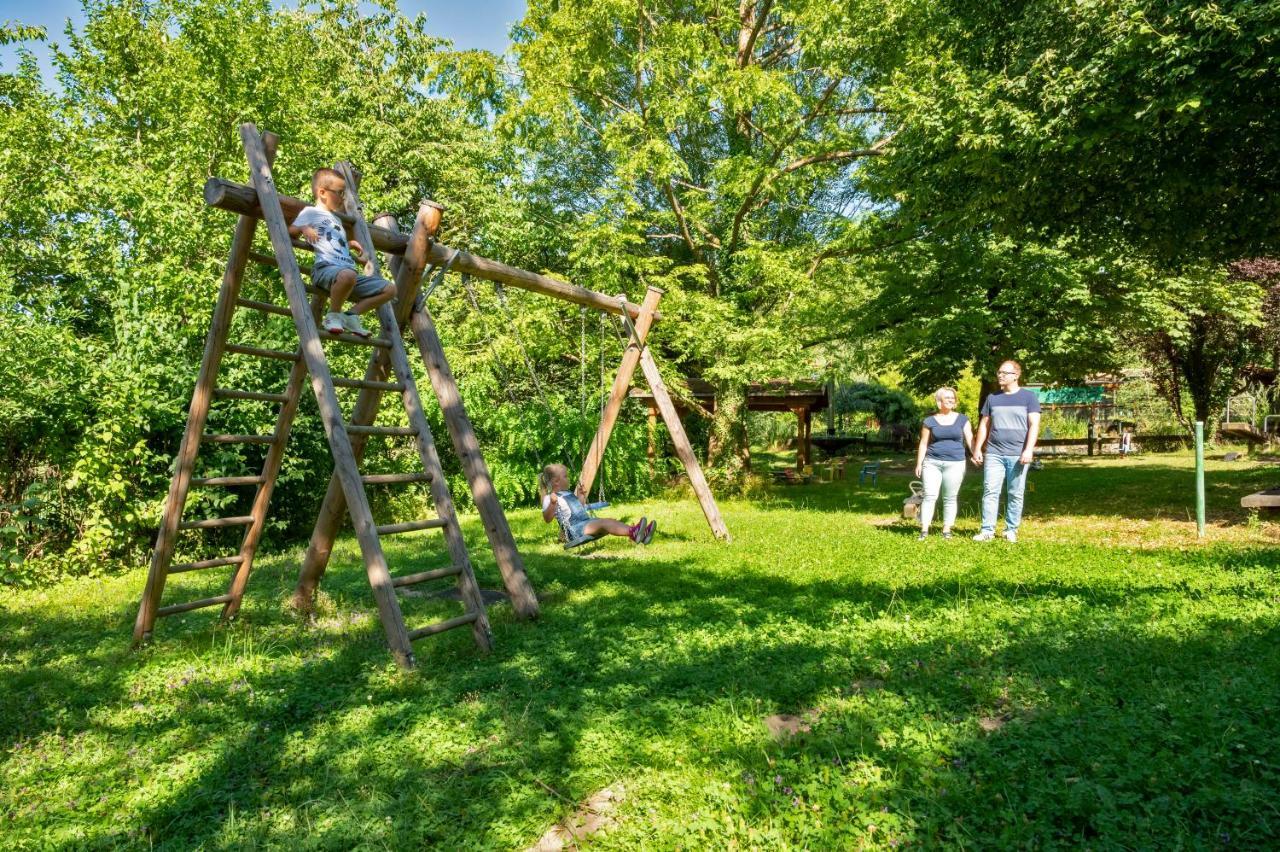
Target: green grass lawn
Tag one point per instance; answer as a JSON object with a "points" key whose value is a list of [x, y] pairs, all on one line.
{"points": [[1109, 681]]}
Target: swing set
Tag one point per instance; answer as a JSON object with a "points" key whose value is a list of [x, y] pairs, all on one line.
{"points": [[410, 257]]}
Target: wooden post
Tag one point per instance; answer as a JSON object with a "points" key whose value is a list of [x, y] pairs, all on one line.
{"points": [[800, 462], [327, 400], [618, 394], [807, 422], [653, 440], [462, 435], [333, 508], [467, 448], [683, 448], [198, 412]]}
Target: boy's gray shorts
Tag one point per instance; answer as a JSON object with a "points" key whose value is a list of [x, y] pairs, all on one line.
{"points": [[366, 285]]}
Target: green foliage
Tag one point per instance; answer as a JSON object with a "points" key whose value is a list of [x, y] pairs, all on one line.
{"points": [[883, 409]]}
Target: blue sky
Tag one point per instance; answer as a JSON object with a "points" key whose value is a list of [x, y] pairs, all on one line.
{"points": [[480, 24]]}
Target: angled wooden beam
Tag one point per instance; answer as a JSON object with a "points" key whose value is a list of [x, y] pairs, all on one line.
{"points": [[618, 394], [683, 448]]}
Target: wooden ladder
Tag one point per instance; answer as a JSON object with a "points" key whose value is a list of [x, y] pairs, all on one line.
{"points": [[388, 360]]}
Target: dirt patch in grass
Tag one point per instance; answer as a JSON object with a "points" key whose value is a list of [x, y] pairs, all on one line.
{"points": [[594, 816], [783, 726]]}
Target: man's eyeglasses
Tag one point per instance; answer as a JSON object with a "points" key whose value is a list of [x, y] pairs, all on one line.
{"points": [[1006, 372]]}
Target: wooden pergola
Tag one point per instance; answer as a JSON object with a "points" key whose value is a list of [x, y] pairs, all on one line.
{"points": [[800, 398]]}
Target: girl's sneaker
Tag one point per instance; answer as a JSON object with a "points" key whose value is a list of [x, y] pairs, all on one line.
{"points": [[648, 532], [637, 531]]}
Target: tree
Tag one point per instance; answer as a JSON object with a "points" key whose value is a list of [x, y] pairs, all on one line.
{"points": [[714, 151], [1200, 337]]}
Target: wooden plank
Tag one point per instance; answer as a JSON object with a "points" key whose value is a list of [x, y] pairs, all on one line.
{"points": [[268, 260], [204, 563], [683, 449], [270, 470], [187, 607], [237, 439], [216, 523], [327, 401], [211, 481], [197, 414], [356, 340], [395, 478], [618, 393], [425, 576], [239, 198], [227, 393], [442, 626], [357, 429], [368, 384], [440, 496], [264, 307], [258, 352]]}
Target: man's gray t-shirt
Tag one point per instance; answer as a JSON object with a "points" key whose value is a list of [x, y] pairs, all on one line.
{"points": [[1008, 413], [331, 247]]}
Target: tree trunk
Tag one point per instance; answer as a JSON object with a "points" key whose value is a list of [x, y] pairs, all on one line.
{"points": [[728, 452]]}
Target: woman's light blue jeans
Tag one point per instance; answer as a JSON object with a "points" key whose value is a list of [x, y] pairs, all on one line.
{"points": [[945, 477], [1009, 472]]}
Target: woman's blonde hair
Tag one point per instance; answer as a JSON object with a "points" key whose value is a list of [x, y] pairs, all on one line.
{"points": [[937, 395], [548, 474]]}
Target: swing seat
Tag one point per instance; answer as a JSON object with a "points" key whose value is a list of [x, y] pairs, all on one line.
{"points": [[571, 543]]}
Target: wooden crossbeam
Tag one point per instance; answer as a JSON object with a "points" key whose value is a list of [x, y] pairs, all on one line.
{"points": [[242, 199]]}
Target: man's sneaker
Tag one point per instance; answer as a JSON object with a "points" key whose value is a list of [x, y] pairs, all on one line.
{"points": [[334, 323], [637, 531], [353, 325], [648, 532], [946, 535], [1011, 536], [985, 535]]}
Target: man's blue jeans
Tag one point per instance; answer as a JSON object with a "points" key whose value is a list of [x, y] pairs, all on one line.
{"points": [[1012, 474]]}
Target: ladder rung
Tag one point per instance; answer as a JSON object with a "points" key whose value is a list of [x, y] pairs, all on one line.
{"points": [[411, 526], [265, 307], [356, 340], [262, 353], [228, 480], [226, 393], [365, 384], [381, 430], [217, 523], [413, 579], [395, 478], [442, 626], [184, 607], [238, 439], [205, 563]]}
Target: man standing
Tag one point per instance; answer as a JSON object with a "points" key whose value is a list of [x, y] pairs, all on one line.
{"points": [[1011, 419]]}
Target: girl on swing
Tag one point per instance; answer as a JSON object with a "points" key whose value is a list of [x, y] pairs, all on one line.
{"points": [[561, 504]]}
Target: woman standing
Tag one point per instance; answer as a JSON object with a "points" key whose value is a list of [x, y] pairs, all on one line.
{"points": [[945, 441]]}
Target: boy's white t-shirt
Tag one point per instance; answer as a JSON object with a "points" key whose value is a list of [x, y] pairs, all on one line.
{"points": [[331, 247], [563, 513]]}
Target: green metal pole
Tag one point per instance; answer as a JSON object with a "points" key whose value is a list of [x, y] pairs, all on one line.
{"points": [[1200, 479]]}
